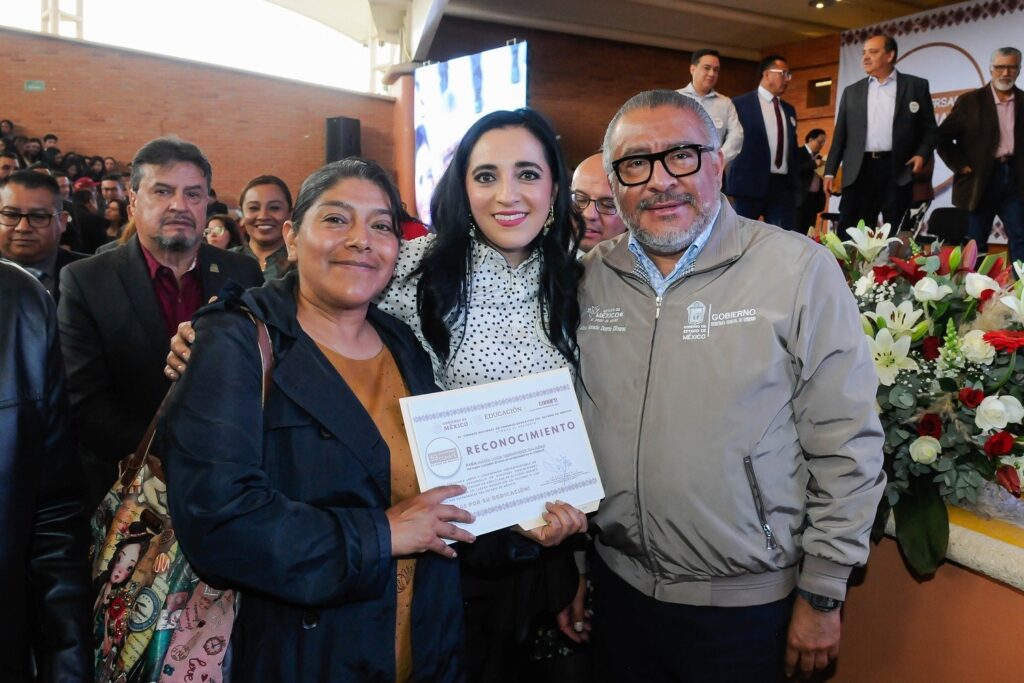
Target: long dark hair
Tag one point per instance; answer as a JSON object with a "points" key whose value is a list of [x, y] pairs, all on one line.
{"points": [[446, 271]]}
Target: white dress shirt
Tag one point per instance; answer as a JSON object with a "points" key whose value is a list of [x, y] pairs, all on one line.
{"points": [[881, 110], [723, 114], [770, 127]]}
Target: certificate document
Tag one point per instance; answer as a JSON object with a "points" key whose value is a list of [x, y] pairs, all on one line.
{"points": [[515, 445]]}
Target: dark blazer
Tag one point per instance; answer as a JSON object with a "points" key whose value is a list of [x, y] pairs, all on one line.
{"points": [[806, 198], [47, 592], [913, 132], [287, 502], [969, 137], [64, 257], [115, 344], [748, 174]]}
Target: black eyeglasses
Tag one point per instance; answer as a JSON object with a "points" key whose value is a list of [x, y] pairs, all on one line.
{"points": [[605, 205], [679, 162], [36, 219]]}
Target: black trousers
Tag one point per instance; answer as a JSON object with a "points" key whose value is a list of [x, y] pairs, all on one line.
{"points": [[874, 192], [637, 638]]}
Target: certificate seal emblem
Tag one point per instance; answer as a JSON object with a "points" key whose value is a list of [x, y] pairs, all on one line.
{"points": [[443, 457], [914, 107]]}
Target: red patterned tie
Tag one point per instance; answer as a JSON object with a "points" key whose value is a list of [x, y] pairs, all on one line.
{"points": [[780, 136]]}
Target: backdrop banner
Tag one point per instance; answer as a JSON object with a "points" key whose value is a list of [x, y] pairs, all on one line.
{"points": [[951, 47]]}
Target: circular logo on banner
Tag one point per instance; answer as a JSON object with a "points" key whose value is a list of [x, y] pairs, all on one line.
{"points": [[914, 107], [443, 457]]}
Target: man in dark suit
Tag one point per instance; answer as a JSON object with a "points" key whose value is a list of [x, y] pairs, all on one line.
{"points": [[884, 132], [811, 198], [982, 142], [32, 220], [763, 178], [120, 308]]}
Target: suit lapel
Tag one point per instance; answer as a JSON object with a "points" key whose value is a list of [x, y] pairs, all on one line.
{"points": [[138, 287], [308, 379], [210, 271]]}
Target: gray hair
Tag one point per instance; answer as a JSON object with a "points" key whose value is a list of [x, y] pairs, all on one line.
{"points": [[649, 99], [1005, 52], [169, 150]]}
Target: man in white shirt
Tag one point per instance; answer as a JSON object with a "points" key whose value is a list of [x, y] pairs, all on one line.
{"points": [[705, 66], [884, 131]]}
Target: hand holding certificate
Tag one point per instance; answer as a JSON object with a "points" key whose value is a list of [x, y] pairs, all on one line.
{"points": [[515, 445]]}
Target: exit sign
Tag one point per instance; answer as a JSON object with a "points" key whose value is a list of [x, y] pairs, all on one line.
{"points": [[36, 86]]}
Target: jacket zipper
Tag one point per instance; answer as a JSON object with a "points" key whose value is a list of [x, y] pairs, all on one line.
{"points": [[640, 432], [755, 490]]}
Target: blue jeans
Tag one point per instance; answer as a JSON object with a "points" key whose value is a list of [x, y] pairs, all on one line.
{"points": [[1000, 199]]}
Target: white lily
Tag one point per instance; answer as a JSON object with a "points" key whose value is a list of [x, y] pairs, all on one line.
{"points": [[890, 356], [870, 241], [1018, 267], [1016, 304], [976, 284], [899, 319]]}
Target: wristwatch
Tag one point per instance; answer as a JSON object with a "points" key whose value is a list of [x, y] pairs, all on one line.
{"points": [[821, 603]]}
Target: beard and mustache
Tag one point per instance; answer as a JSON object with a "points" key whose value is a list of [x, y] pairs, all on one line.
{"points": [[672, 240], [178, 242]]}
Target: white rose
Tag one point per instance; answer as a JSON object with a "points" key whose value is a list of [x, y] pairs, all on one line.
{"points": [[925, 449], [977, 283], [927, 289], [976, 349], [995, 412], [864, 285]]}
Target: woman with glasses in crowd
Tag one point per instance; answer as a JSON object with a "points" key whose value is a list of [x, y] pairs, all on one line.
{"points": [[222, 231]]}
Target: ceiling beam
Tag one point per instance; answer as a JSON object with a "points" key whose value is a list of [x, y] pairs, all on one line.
{"points": [[573, 28], [703, 9]]}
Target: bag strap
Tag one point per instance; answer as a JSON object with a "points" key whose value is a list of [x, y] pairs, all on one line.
{"points": [[136, 460]]}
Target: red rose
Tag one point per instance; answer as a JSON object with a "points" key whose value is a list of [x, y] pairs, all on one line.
{"points": [[971, 398], [930, 347], [1000, 443], [1007, 477], [930, 424], [1005, 340], [884, 274]]}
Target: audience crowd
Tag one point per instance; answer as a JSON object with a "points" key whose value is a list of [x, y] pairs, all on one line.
{"points": [[724, 544]]}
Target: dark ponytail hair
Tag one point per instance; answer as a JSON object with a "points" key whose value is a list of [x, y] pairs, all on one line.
{"points": [[446, 270]]}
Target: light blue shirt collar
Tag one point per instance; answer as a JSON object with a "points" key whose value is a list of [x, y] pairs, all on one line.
{"points": [[684, 266]]}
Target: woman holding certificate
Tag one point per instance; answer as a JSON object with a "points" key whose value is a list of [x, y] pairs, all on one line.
{"points": [[308, 503], [492, 296]]}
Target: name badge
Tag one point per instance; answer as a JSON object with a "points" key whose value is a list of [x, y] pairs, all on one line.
{"points": [[914, 107]]}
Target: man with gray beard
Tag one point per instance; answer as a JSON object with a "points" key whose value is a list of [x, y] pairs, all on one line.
{"points": [[729, 395], [982, 141], [118, 309]]}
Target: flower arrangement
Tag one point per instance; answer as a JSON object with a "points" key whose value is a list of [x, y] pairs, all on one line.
{"points": [[944, 332]]}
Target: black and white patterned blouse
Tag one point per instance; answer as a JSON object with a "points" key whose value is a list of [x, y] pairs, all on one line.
{"points": [[501, 335]]}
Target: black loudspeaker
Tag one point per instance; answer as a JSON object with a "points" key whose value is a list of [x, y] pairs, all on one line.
{"points": [[342, 138]]}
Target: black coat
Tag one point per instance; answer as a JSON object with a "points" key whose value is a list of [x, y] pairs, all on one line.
{"points": [[914, 130], [43, 567], [115, 346], [287, 503]]}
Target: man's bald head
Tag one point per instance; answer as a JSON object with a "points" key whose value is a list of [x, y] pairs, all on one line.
{"points": [[593, 196]]}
